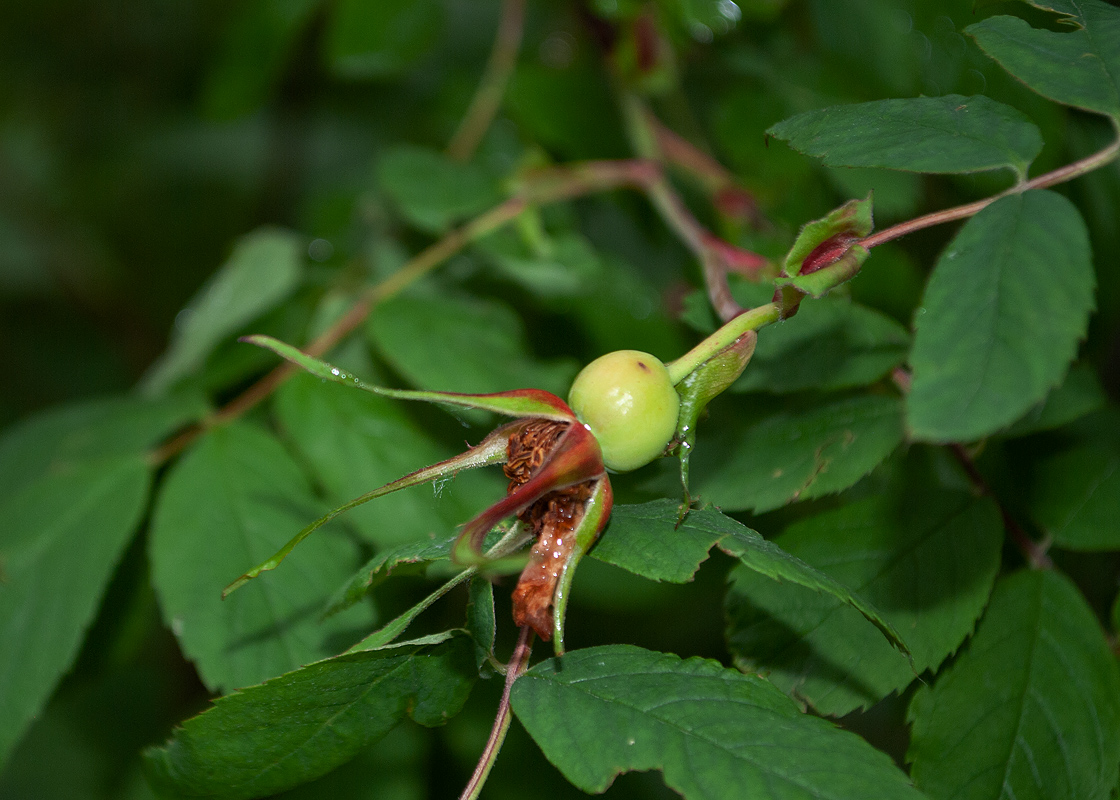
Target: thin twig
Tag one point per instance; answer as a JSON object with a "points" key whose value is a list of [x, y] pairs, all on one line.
{"points": [[488, 98], [1060, 175], [518, 662], [1036, 556]]}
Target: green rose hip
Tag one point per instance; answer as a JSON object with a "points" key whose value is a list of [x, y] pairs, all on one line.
{"points": [[628, 401]]}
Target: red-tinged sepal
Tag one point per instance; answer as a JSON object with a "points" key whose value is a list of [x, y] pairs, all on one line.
{"points": [[491, 450], [595, 518], [574, 459], [827, 252], [516, 403]]}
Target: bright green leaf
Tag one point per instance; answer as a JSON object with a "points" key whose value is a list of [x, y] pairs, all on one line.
{"points": [[379, 39], [1030, 710], [1079, 67], [926, 560], [296, 727], [830, 344], [60, 539], [714, 733], [462, 345], [1001, 319], [229, 503], [432, 191], [920, 134], [1076, 497], [264, 268], [796, 455], [647, 540]]}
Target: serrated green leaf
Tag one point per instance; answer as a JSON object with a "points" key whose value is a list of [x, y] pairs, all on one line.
{"points": [[796, 455], [68, 437], [464, 344], [296, 727], [926, 560], [949, 134], [229, 503], [432, 191], [356, 442], [1030, 710], [1076, 497], [831, 344], [61, 536], [254, 49], [263, 269], [1079, 67], [713, 732], [648, 540], [1002, 315], [377, 40]]}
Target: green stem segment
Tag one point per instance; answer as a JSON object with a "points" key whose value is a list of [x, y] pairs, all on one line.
{"points": [[723, 338]]}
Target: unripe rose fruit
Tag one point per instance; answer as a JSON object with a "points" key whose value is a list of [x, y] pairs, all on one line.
{"points": [[628, 401]]}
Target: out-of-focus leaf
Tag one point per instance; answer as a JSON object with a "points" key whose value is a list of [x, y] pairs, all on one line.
{"points": [[66, 438], [61, 536], [462, 345], [356, 442], [563, 268], [796, 455], [253, 54], [926, 559], [296, 727], [380, 39], [648, 540], [1076, 497], [1007, 304], [263, 269], [1030, 710], [1079, 394], [920, 134], [715, 733], [432, 191], [1079, 67], [830, 344], [229, 503]]}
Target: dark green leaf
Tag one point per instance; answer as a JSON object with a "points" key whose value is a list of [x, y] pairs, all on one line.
{"points": [[61, 536], [298, 726], [356, 442], [432, 191], [1030, 710], [831, 344], [1076, 497], [264, 268], [926, 560], [1002, 315], [462, 345], [796, 455], [920, 134], [253, 54], [66, 438], [402, 558], [647, 540], [1079, 68], [380, 39], [229, 503], [713, 732], [1079, 394]]}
